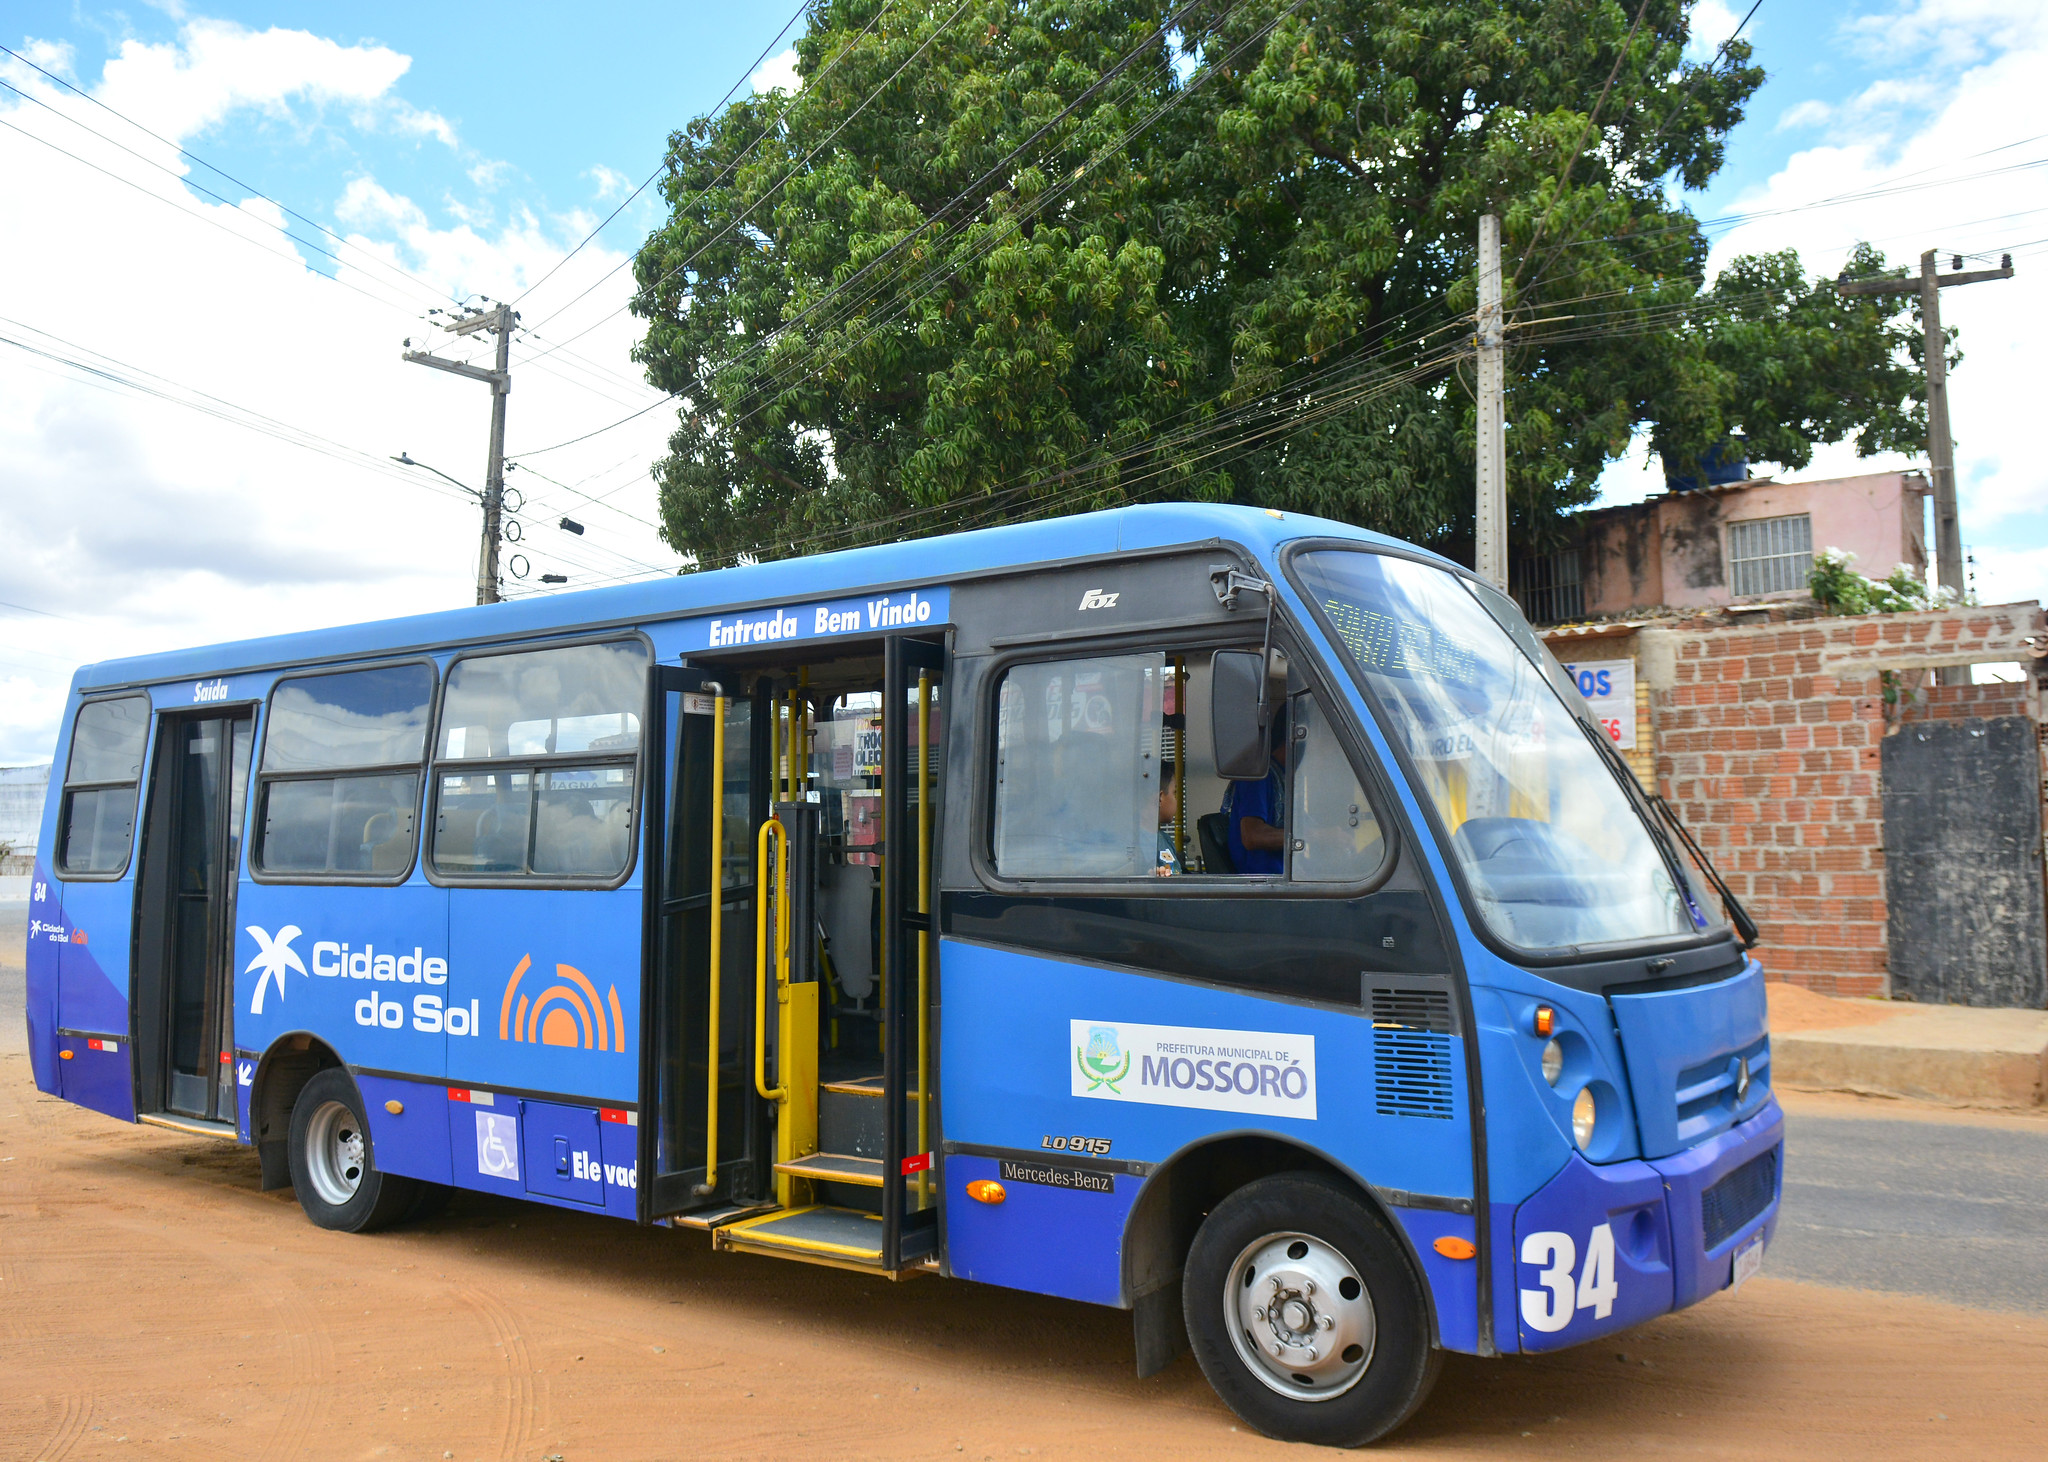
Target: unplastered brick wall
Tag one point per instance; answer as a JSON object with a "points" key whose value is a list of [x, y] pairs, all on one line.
{"points": [[1768, 743]]}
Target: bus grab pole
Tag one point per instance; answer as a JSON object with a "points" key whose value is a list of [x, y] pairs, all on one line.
{"points": [[717, 941], [773, 875]]}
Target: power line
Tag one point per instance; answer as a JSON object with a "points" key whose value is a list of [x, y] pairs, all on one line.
{"points": [[202, 162], [802, 9], [120, 373], [776, 187], [723, 172]]}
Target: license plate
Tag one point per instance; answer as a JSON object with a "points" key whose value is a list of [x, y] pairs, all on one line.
{"points": [[1748, 1260]]}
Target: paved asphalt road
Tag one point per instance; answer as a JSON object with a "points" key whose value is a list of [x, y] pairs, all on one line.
{"points": [[1953, 1212], [1939, 1209]]}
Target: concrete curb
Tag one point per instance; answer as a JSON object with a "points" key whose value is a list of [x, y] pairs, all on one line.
{"points": [[1940, 1052]]}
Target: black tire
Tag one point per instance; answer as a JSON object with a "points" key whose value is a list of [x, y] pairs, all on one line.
{"points": [[1353, 1358], [332, 1172]]}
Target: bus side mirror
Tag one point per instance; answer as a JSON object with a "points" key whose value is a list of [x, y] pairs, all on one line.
{"points": [[1235, 678]]}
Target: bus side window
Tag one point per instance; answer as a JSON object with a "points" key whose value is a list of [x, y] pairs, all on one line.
{"points": [[535, 773], [1077, 768], [100, 781], [340, 779], [1333, 836]]}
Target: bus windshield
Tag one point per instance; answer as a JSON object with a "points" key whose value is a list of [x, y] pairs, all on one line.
{"points": [[1551, 845]]}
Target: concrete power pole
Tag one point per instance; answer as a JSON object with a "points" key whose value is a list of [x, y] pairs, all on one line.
{"points": [[1941, 461], [501, 319], [1490, 527]]}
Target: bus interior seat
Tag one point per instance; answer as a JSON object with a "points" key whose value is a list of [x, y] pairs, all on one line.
{"points": [[1213, 828], [387, 842], [499, 844]]}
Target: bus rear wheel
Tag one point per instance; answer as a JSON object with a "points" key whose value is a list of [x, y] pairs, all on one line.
{"points": [[332, 1173], [1305, 1314]]}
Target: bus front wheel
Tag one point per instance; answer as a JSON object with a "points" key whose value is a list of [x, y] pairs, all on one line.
{"points": [[330, 1156], [1305, 1314]]}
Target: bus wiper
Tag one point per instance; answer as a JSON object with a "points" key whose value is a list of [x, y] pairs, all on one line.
{"points": [[1745, 927], [1666, 817]]}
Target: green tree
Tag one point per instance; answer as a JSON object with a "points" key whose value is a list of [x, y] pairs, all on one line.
{"points": [[996, 259]]}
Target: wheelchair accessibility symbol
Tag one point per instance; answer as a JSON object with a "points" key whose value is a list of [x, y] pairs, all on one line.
{"points": [[497, 1146]]}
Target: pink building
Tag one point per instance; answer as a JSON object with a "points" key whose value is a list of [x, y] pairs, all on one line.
{"points": [[1738, 543]]}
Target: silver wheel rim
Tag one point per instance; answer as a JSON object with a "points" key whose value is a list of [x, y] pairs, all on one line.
{"points": [[335, 1160], [1300, 1316]]}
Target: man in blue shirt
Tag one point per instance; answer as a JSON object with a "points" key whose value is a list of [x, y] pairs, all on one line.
{"points": [[1258, 814]]}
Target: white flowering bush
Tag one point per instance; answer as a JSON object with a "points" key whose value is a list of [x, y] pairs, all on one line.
{"points": [[1841, 590]]}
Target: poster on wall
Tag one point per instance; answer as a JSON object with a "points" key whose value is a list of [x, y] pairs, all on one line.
{"points": [[1609, 686]]}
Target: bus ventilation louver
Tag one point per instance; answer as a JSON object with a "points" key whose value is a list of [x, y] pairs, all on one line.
{"points": [[1411, 1052], [1738, 1198]]}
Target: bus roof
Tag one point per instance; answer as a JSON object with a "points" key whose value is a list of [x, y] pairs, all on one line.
{"points": [[849, 571]]}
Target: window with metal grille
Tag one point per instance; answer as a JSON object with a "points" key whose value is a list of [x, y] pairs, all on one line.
{"points": [[1769, 555], [1549, 588]]}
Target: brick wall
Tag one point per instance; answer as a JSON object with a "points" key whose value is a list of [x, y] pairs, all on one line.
{"points": [[1768, 740]]}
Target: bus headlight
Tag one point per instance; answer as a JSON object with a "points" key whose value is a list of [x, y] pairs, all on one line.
{"points": [[1583, 1114], [1553, 1062]]}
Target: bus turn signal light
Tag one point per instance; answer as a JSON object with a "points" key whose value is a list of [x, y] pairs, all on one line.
{"points": [[1546, 1021], [394, 1108], [986, 1190], [1453, 1247]]}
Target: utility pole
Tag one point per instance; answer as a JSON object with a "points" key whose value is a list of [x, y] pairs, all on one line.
{"points": [[501, 319], [1490, 525], [1941, 460]]}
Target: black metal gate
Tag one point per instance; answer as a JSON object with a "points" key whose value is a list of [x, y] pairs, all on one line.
{"points": [[1962, 857]]}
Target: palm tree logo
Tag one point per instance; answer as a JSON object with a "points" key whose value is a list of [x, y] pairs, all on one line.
{"points": [[273, 958]]}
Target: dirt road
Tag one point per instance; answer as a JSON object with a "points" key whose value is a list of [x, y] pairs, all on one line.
{"points": [[153, 1303]]}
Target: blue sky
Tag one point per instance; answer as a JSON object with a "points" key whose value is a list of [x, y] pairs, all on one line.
{"points": [[545, 92], [464, 148]]}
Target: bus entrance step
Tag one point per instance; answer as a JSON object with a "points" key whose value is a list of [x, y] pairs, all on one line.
{"points": [[834, 1167], [819, 1235], [711, 1218]]}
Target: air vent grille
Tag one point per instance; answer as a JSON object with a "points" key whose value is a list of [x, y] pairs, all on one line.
{"points": [[1411, 1052], [1738, 1198]]}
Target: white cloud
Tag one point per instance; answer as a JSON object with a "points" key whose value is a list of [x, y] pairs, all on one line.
{"points": [[777, 73], [610, 182], [1713, 21], [181, 88], [142, 525], [55, 56], [2001, 474], [1945, 34], [1809, 113], [410, 122], [490, 174], [2006, 574]]}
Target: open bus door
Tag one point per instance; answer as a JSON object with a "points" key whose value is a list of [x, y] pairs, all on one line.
{"points": [[700, 817], [821, 1103]]}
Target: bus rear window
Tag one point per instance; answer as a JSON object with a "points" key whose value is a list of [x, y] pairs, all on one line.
{"points": [[100, 781]]}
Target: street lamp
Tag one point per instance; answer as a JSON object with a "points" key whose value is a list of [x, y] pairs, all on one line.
{"points": [[407, 461]]}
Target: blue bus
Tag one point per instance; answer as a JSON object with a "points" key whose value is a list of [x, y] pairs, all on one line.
{"points": [[1224, 915]]}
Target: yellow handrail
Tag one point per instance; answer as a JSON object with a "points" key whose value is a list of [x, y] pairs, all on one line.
{"points": [[717, 939], [773, 875], [924, 906]]}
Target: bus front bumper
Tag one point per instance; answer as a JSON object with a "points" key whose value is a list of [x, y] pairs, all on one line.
{"points": [[1600, 1248]]}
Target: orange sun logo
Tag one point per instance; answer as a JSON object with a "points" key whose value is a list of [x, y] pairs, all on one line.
{"points": [[564, 1014]]}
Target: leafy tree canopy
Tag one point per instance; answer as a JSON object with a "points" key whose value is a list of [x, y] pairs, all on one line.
{"points": [[999, 259]]}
